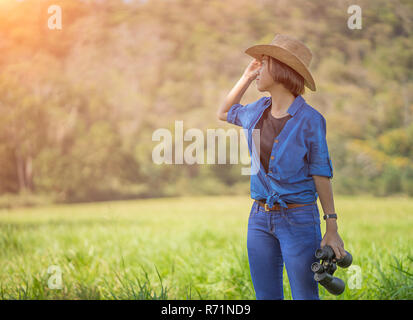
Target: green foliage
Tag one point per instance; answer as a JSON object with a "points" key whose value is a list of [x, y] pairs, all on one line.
{"points": [[79, 105], [390, 181], [407, 181]]}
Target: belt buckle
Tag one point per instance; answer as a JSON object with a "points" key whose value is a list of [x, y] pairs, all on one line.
{"points": [[266, 207]]}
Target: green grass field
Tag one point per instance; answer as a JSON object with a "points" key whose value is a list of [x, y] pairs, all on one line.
{"points": [[192, 249]]}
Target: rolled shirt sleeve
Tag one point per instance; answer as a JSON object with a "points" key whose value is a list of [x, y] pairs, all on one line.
{"points": [[241, 115], [319, 159], [237, 114]]}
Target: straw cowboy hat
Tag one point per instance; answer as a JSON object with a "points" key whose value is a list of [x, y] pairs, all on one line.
{"points": [[290, 51]]}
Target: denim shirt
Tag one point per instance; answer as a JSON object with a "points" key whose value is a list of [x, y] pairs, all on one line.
{"points": [[299, 151]]}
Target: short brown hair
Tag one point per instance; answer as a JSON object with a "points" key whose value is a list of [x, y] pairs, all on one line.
{"points": [[284, 74]]}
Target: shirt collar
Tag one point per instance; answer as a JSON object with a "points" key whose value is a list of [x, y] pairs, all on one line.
{"points": [[294, 107]]}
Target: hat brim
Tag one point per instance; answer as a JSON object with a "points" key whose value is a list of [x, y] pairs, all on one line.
{"points": [[286, 57]]}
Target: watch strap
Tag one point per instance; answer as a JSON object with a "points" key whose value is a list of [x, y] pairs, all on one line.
{"points": [[331, 215]]}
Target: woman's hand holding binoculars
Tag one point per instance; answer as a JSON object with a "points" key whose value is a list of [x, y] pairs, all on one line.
{"points": [[333, 239]]}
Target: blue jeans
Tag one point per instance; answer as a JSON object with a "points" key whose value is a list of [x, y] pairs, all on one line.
{"points": [[289, 236]]}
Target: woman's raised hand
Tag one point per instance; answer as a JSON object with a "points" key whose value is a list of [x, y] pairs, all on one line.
{"points": [[253, 69]]}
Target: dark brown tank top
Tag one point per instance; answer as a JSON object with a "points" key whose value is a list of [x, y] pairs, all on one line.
{"points": [[270, 128]]}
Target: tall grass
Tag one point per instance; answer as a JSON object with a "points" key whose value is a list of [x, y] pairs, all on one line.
{"points": [[192, 249]]}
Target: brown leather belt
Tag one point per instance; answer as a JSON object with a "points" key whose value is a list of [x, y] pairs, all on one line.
{"points": [[278, 206]]}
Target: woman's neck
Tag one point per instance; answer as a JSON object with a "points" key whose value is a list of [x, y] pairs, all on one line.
{"points": [[281, 100]]}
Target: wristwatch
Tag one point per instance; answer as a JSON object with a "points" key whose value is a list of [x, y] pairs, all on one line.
{"points": [[331, 215]]}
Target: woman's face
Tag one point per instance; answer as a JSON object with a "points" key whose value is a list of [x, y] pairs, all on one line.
{"points": [[264, 79]]}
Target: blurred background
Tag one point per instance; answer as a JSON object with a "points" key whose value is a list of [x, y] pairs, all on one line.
{"points": [[79, 105]]}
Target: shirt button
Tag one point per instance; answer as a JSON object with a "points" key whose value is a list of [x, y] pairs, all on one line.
{"points": [[272, 157], [276, 140], [270, 171]]}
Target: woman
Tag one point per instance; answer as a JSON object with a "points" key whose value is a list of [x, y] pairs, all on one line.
{"points": [[294, 169]]}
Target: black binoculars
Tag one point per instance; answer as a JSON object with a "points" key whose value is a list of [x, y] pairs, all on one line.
{"points": [[323, 272]]}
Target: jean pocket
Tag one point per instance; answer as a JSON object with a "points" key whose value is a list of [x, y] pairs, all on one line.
{"points": [[253, 210], [301, 216]]}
